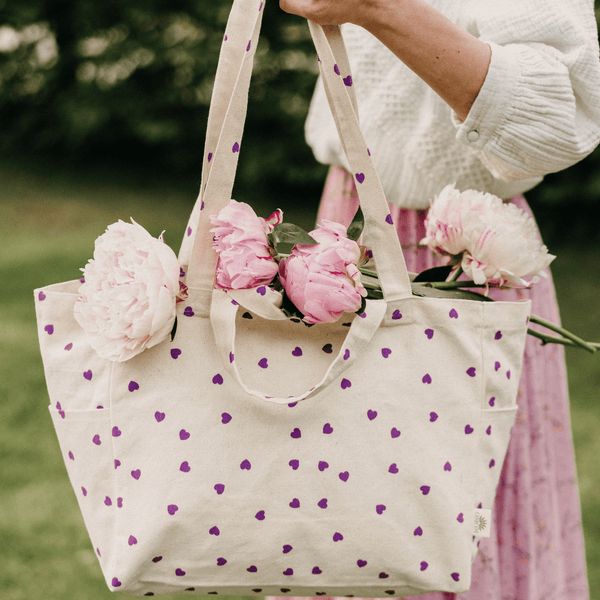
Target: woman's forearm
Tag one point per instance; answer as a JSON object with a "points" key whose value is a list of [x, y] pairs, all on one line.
{"points": [[451, 61]]}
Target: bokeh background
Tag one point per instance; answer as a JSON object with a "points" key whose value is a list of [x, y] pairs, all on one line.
{"points": [[103, 107]]}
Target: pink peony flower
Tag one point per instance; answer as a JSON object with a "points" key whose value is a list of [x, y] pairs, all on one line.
{"points": [[127, 303], [323, 280], [499, 243], [245, 254]]}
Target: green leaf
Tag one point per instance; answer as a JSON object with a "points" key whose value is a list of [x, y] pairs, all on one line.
{"points": [[363, 306], [434, 274], [356, 227], [288, 233], [289, 309], [174, 330], [373, 294]]}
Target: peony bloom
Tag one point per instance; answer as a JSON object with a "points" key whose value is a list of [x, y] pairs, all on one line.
{"points": [[499, 243], [127, 303], [323, 280], [450, 216], [245, 254]]}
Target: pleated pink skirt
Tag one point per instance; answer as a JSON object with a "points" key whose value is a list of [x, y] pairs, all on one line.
{"points": [[536, 549]]}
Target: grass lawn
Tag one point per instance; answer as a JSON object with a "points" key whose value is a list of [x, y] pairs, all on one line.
{"points": [[48, 224]]}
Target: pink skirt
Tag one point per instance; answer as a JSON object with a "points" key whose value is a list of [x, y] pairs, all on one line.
{"points": [[536, 549]]}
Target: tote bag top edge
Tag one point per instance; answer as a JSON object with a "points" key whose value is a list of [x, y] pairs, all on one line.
{"points": [[65, 287]]}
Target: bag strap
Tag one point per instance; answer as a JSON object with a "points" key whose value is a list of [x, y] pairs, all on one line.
{"points": [[227, 115], [234, 72], [247, 15], [381, 233]]}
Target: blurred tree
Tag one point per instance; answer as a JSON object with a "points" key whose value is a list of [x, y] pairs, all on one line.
{"points": [[130, 81]]}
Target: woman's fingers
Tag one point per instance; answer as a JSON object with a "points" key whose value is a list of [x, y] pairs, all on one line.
{"points": [[323, 12]]}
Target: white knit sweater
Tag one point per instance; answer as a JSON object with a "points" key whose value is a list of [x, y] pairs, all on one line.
{"points": [[538, 110]]}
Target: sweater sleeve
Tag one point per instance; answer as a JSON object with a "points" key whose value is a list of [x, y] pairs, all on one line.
{"points": [[538, 110]]}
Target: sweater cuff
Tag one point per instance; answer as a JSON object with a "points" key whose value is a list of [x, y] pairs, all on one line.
{"points": [[492, 102]]}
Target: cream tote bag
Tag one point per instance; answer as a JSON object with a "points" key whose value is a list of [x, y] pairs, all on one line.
{"points": [[255, 456]]}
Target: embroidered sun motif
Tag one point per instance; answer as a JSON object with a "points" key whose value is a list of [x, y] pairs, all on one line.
{"points": [[480, 523]]}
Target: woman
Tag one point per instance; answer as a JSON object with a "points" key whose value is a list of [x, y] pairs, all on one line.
{"points": [[492, 95]]}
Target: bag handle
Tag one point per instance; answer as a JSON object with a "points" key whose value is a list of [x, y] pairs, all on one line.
{"points": [[223, 320], [382, 235], [219, 182], [227, 115], [229, 75]]}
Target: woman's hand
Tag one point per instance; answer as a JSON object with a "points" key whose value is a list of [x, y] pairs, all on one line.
{"points": [[328, 12], [451, 61]]}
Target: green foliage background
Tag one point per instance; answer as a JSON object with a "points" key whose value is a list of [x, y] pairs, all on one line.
{"points": [[131, 81]]}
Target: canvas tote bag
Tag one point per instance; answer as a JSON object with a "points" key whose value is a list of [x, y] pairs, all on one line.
{"points": [[253, 455]]}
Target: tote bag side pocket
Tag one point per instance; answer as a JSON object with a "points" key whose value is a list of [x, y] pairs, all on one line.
{"points": [[85, 439], [78, 382], [503, 347]]}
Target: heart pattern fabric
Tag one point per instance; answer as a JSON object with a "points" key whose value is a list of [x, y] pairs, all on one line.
{"points": [[231, 480]]}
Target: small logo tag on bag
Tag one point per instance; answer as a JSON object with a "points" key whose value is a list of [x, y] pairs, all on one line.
{"points": [[483, 521]]}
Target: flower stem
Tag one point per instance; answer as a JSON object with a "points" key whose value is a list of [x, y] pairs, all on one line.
{"points": [[371, 286], [452, 285], [368, 272], [567, 334], [550, 339], [457, 273]]}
